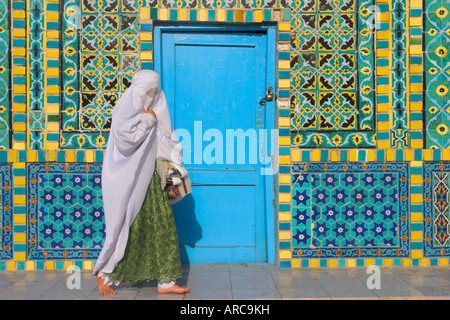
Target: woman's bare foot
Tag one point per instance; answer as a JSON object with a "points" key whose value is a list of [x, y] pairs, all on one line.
{"points": [[174, 289], [103, 289]]}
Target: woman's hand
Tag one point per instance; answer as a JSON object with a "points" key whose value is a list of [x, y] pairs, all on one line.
{"points": [[152, 112]]}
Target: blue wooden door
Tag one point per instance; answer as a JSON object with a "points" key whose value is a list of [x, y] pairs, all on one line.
{"points": [[213, 82]]}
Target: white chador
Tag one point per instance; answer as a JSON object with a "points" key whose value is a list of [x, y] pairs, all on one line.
{"points": [[136, 140]]}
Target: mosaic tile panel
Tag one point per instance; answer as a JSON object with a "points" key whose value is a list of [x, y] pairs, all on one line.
{"points": [[108, 56], [350, 210], [332, 98], [436, 232], [437, 77], [6, 212], [65, 212], [4, 75]]}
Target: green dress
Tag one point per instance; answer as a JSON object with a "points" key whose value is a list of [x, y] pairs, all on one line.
{"points": [[152, 251]]}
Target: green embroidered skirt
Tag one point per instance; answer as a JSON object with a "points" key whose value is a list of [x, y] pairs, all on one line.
{"points": [[152, 251]]}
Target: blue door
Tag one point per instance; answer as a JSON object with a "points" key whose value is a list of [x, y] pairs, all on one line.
{"points": [[214, 79]]}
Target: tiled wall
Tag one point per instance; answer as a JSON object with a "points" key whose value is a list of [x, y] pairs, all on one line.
{"points": [[362, 115]]}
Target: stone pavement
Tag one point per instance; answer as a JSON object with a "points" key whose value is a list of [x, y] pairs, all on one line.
{"points": [[240, 282]]}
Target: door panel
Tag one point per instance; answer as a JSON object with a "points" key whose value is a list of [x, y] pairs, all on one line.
{"points": [[213, 83]]}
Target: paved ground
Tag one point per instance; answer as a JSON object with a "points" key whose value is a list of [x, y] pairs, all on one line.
{"points": [[236, 282]]}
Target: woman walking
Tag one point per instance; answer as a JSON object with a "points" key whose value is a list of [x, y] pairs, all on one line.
{"points": [[141, 242]]}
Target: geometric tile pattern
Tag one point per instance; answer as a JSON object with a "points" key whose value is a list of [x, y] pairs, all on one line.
{"points": [[437, 67], [332, 75], [436, 211], [101, 63], [352, 209], [4, 75], [65, 213], [6, 212]]}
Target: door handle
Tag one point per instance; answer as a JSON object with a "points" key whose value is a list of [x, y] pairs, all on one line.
{"points": [[268, 97]]}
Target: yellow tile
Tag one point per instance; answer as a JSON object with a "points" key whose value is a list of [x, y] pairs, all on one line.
{"points": [[427, 155], [52, 109], [351, 263], [51, 155], [144, 13], [284, 64], [353, 156], [313, 263], [19, 219], [416, 125], [416, 106], [284, 160], [416, 179], [22, 127], [53, 72], [284, 122], [383, 108], [415, 50], [284, 83], [383, 16], [284, 26], [443, 262], [416, 235], [19, 165], [332, 263], [49, 265], [382, 53], [416, 163], [284, 235], [406, 262], [286, 179], [18, 89], [20, 238], [87, 265], [415, 22], [19, 33], [416, 88], [11, 265], [51, 15], [284, 197], [182, 15], [284, 217], [334, 156], [52, 34], [30, 265], [316, 155], [415, 69], [221, 15], [416, 254], [68, 264], [19, 181], [382, 71], [390, 155], [424, 262], [446, 154], [383, 126], [20, 257], [258, 16], [416, 144], [416, 198], [371, 155], [295, 155], [383, 144], [416, 3], [388, 262], [282, 141], [52, 146], [70, 156], [146, 36], [19, 107], [19, 70], [146, 55], [202, 15], [383, 35], [12, 156], [18, 14], [383, 89], [295, 263], [20, 200], [408, 155], [89, 156], [285, 254], [163, 14], [369, 262], [52, 53], [53, 126]]}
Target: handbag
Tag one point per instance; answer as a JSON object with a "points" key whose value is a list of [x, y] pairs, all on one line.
{"points": [[177, 186]]}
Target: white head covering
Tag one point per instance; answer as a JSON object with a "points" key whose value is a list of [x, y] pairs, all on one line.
{"points": [[134, 143]]}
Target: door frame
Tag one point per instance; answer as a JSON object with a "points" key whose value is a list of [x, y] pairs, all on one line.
{"points": [[270, 181]]}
